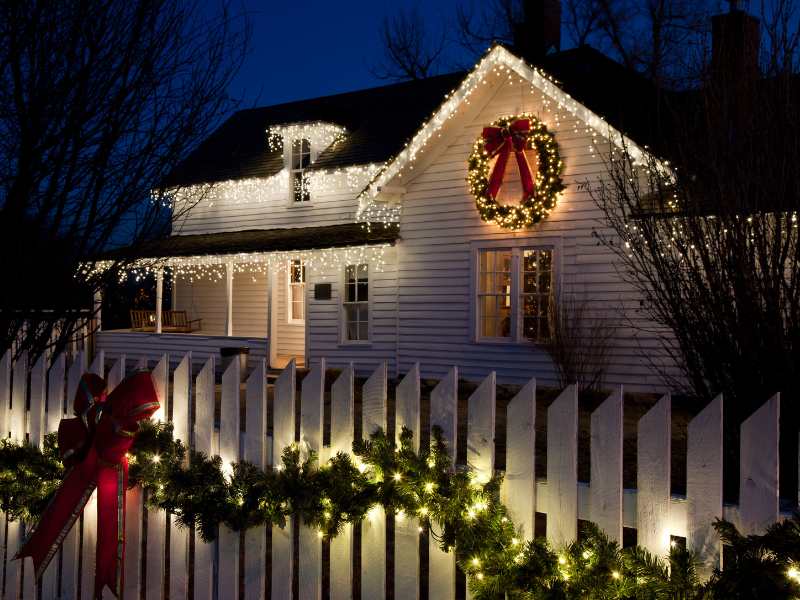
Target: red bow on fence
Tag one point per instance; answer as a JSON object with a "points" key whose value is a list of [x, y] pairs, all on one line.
{"points": [[94, 446], [502, 141]]}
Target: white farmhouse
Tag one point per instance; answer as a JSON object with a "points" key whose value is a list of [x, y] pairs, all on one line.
{"points": [[345, 228]]}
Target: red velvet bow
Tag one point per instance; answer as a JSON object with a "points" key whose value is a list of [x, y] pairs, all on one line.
{"points": [[94, 445], [502, 141]]}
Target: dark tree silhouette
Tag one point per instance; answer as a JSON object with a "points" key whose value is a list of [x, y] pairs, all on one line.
{"points": [[99, 101]]}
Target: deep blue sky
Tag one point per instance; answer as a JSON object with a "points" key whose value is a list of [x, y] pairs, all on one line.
{"points": [[308, 48]]}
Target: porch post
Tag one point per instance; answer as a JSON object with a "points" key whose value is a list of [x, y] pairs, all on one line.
{"points": [[229, 299], [159, 297], [98, 309]]}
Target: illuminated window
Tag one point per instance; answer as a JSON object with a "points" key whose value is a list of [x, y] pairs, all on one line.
{"points": [[356, 303], [297, 291], [514, 294], [301, 159]]}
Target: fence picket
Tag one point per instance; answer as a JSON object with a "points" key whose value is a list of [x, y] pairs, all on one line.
{"points": [[13, 568], [519, 484], [5, 393], [229, 429], [19, 395], [36, 423], [179, 536], [70, 546], [342, 423], [480, 433], [653, 478], [203, 442], [116, 374], [373, 528], [282, 436], [311, 407], [406, 530], [704, 485], [758, 477], [606, 465], [55, 393], [444, 413], [562, 468], [157, 519], [254, 452]]}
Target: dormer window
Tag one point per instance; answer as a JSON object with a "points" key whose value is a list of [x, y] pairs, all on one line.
{"points": [[300, 160]]}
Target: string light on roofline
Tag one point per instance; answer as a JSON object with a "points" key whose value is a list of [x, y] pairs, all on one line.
{"points": [[213, 266]]}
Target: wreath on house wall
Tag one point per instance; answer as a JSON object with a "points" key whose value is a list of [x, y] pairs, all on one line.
{"points": [[487, 164]]}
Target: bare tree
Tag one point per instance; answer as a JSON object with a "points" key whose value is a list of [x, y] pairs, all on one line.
{"points": [[580, 343], [411, 51], [99, 102]]}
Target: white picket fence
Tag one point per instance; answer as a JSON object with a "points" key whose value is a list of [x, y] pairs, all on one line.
{"points": [[31, 413]]}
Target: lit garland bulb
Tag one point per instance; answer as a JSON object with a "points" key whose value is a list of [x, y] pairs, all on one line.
{"points": [[514, 541], [362, 468], [615, 574], [793, 573], [479, 576], [156, 458], [562, 560], [429, 487], [586, 555], [279, 468], [476, 562], [397, 476], [431, 463], [423, 510], [320, 535]]}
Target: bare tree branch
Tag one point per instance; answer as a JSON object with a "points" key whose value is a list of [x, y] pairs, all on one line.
{"points": [[410, 51]]}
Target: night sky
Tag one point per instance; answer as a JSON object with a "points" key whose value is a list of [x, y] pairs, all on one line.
{"points": [[308, 48]]}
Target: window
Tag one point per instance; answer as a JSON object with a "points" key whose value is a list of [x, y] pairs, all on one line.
{"points": [[297, 291], [356, 303], [301, 159], [514, 294]]}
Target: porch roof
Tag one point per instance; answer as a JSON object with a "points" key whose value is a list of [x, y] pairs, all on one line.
{"points": [[260, 240]]}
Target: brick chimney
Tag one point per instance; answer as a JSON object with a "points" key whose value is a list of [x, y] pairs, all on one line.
{"points": [[735, 43], [539, 32]]}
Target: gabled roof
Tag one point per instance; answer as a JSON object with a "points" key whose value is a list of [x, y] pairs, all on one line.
{"points": [[380, 121]]}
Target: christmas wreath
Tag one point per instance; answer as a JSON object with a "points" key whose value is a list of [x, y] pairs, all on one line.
{"points": [[487, 165]]}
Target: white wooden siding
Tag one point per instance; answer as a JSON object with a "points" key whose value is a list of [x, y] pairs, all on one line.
{"points": [[439, 222], [264, 204], [324, 319], [205, 299], [290, 338]]}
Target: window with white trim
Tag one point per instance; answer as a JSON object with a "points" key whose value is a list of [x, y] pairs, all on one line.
{"points": [[356, 303], [297, 291], [515, 294], [300, 160]]}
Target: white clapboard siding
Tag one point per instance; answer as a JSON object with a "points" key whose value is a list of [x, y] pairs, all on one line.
{"points": [[179, 536], [203, 442], [373, 528], [291, 337], [254, 452], [704, 485], [562, 468], [229, 429], [406, 530], [311, 413], [342, 424], [606, 465], [758, 487], [518, 491], [653, 478], [444, 414], [283, 435]]}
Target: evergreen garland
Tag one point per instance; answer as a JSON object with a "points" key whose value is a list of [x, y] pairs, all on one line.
{"points": [[458, 512]]}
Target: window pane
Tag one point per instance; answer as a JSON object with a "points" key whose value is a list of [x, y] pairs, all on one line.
{"points": [[350, 313], [350, 272], [363, 272], [363, 333], [350, 292], [363, 291], [352, 331], [363, 312], [298, 312], [300, 187]]}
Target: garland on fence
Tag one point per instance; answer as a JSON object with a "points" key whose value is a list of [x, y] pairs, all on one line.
{"points": [[457, 511]]}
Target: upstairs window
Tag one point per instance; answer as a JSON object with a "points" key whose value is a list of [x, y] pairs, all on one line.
{"points": [[297, 291], [356, 303], [301, 159]]}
